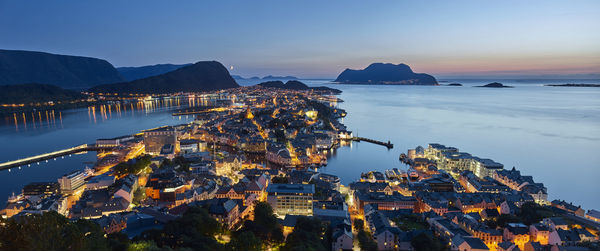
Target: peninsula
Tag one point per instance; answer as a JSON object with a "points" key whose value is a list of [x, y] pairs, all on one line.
{"points": [[201, 76]]}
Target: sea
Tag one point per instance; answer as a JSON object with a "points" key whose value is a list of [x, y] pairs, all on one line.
{"points": [[549, 133]]}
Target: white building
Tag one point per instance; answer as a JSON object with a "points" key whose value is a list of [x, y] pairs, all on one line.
{"points": [[296, 199], [71, 182]]}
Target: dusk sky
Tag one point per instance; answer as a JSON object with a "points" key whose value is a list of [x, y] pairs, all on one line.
{"points": [[317, 39]]}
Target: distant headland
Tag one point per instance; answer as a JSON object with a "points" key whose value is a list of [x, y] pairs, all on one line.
{"points": [[385, 74], [297, 85], [495, 85], [575, 85]]}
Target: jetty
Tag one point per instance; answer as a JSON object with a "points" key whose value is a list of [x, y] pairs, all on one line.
{"points": [[50, 155], [388, 144]]}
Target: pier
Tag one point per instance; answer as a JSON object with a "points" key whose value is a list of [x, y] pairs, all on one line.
{"points": [[389, 145], [194, 111], [50, 155]]}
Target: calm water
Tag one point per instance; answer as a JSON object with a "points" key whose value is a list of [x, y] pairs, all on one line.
{"points": [[551, 133], [67, 129]]}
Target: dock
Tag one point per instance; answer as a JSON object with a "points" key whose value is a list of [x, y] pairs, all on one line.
{"points": [[389, 145], [50, 155]]}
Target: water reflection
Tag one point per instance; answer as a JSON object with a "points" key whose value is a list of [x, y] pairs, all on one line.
{"points": [[27, 121]]}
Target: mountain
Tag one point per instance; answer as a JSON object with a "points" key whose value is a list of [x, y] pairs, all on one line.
{"points": [[297, 85], [238, 77], [133, 73], [201, 76], [387, 74], [36, 93], [71, 72], [278, 77]]}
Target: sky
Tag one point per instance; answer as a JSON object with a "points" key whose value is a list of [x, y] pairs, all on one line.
{"points": [[318, 39]]}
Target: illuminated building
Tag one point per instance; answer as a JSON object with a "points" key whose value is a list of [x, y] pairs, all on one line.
{"points": [[155, 139], [291, 198], [69, 183]]}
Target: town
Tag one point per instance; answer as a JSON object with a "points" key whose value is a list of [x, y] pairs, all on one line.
{"points": [[245, 175]]}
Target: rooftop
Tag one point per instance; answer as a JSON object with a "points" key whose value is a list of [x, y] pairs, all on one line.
{"points": [[291, 188]]}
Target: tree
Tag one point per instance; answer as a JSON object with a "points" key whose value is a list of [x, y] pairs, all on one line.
{"points": [[118, 241], [264, 226], [358, 224], [309, 234], [125, 168], [50, 231], [195, 229], [280, 180], [365, 241], [532, 213], [426, 242], [245, 241], [145, 246], [139, 195]]}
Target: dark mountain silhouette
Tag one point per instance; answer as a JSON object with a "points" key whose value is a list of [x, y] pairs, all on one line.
{"points": [[72, 72], [390, 74], [297, 85], [133, 73], [36, 93], [236, 77], [278, 77], [201, 76]]}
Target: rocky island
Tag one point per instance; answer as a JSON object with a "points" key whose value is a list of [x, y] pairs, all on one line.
{"points": [[495, 85], [575, 85], [385, 74], [297, 85]]}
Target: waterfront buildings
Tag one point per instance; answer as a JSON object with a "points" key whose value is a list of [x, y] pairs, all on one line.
{"points": [[450, 159], [41, 188], [71, 182], [114, 142], [156, 139]]}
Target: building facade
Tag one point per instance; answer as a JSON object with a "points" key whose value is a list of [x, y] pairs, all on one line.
{"points": [[295, 199]]}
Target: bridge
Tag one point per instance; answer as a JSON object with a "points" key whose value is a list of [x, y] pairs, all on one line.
{"points": [[50, 155], [389, 145]]}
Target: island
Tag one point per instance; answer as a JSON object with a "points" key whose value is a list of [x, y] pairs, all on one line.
{"points": [[385, 74], [297, 85], [454, 84], [495, 85], [575, 85]]}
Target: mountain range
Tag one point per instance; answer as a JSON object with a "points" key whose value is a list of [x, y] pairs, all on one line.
{"points": [[71, 72], [198, 77], [134, 73], [385, 74], [36, 93], [269, 77]]}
